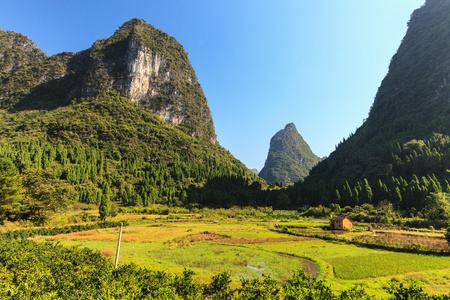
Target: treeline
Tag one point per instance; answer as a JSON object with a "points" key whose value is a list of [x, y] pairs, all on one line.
{"points": [[136, 181], [117, 148], [414, 177]]}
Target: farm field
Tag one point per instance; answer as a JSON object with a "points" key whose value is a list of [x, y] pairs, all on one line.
{"points": [[249, 248]]}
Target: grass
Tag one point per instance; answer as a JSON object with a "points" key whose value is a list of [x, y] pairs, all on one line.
{"points": [[385, 263], [248, 249]]}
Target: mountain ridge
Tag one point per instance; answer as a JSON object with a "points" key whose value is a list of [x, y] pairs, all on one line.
{"points": [[145, 64], [104, 122]]}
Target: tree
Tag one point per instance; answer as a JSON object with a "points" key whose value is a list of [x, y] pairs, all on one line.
{"points": [[347, 194], [105, 204], [366, 192], [282, 200], [355, 197], [382, 192], [10, 188], [396, 196], [438, 208], [337, 197], [44, 194]]}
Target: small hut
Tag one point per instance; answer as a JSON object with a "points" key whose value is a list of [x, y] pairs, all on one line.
{"points": [[342, 223]]}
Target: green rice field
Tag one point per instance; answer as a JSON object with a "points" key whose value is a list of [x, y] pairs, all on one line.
{"points": [[249, 249]]}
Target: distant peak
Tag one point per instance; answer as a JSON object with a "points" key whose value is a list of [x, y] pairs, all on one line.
{"points": [[134, 23], [290, 125], [289, 159]]}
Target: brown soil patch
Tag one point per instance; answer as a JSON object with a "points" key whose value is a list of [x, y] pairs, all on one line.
{"points": [[311, 268], [204, 237], [74, 236], [265, 240], [429, 243], [101, 236], [107, 252]]}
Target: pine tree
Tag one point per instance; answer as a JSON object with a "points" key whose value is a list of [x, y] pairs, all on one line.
{"points": [[105, 204], [366, 192], [337, 197], [381, 191], [355, 198], [347, 194], [396, 196], [446, 187], [10, 198]]}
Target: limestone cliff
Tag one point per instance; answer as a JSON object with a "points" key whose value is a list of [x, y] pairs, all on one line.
{"points": [[152, 69], [145, 64]]}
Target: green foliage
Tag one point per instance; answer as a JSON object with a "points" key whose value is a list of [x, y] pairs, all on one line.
{"points": [[44, 193], [219, 288], [290, 158], [407, 133], [154, 210], [105, 203], [17, 50], [84, 274], [109, 140], [302, 286], [27, 233], [10, 197], [400, 291], [253, 289]]}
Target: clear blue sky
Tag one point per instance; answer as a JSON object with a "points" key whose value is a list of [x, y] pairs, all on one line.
{"points": [[262, 64]]}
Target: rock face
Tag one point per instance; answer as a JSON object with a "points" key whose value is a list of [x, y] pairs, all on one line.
{"points": [[147, 75], [16, 50], [255, 171], [145, 64], [152, 69], [290, 158]]}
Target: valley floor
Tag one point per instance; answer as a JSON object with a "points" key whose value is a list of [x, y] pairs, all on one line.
{"points": [[249, 248]]}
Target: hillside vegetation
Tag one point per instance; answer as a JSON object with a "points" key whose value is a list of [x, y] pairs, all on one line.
{"points": [[289, 159], [400, 153], [71, 119]]}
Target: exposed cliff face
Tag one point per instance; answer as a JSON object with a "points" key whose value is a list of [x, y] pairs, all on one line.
{"points": [[147, 71], [290, 158], [145, 64], [153, 70], [16, 50], [95, 116]]}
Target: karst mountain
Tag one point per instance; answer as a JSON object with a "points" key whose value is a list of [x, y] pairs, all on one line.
{"points": [[402, 150], [289, 159], [128, 114]]}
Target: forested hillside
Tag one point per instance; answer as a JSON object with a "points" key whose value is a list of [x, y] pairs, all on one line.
{"points": [[74, 120], [289, 159], [401, 152]]}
